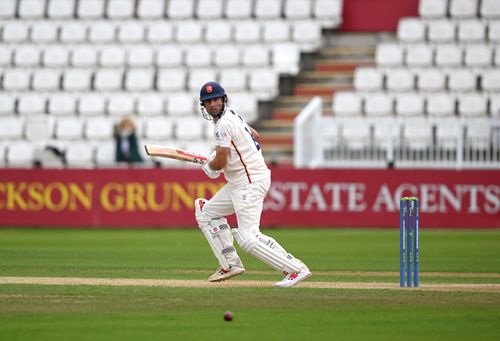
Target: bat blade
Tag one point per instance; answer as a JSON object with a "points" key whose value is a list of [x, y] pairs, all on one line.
{"points": [[175, 153]]}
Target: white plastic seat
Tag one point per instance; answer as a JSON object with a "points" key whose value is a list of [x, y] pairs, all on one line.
{"points": [[285, 58], [198, 77], [90, 9], [150, 9], [471, 31], [417, 135], [297, 9], [227, 56], [39, 128], [263, 83], [31, 104], [55, 56], [169, 56], [441, 31], [399, 80], [102, 32], [31, 9], [83, 56], [120, 105], [494, 31], [490, 9], [355, 135], [180, 104], [189, 128], [462, 80], [307, 33], [218, 32], [180, 9], [5, 55], [198, 56], [43, 32], [131, 32], [62, 104], [276, 31], [150, 105], [490, 80], [139, 79], [389, 54], [77, 80], [431, 80], [478, 134], [188, 32], [419, 55], [20, 154], [410, 104], [108, 79], [268, 9], [141, 56], [448, 55], [411, 30], [120, 9], [496, 59], [347, 104], [159, 32], [448, 132], [432, 9], [112, 56], [99, 128], [7, 104], [15, 32], [494, 108], [233, 79], [69, 128], [73, 32], [462, 9], [26, 56], [368, 79], [91, 105], [16, 79], [61, 9], [105, 154], [478, 55], [79, 155], [244, 104], [46, 80], [255, 56], [385, 132], [440, 104], [247, 32], [11, 128], [159, 128], [328, 12], [8, 9], [378, 104], [209, 9], [472, 105], [171, 79], [238, 9]]}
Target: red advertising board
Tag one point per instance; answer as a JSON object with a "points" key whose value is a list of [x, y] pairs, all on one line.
{"points": [[322, 198]]}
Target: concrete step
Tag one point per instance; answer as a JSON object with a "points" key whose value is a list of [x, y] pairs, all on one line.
{"points": [[320, 89], [349, 65]]}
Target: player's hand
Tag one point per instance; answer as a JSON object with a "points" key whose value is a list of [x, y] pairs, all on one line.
{"points": [[212, 174]]}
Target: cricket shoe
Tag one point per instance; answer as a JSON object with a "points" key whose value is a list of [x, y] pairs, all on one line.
{"points": [[293, 278], [222, 274]]}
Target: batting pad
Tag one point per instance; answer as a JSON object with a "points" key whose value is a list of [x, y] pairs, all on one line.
{"points": [[267, 250]]}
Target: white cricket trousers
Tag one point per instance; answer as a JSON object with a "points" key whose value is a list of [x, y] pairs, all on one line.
{"points": [[246, 201]]}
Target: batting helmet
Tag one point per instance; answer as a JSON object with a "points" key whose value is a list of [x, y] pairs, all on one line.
{"points": [[211, 90]]}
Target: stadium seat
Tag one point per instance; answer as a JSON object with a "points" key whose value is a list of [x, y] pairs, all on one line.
{"points": [[55, 56], [297, 9], [111, 56], [169, 56], [494, 107], [15, 32], [472, 105], [276, 31], [355, 134], [378, 104], [105, 154], [417, 134], [268, 9], [441, 31], [307, 34], [181, 104], [246, 32], [255, 56], [69, 128], [8, 9], [83, 56], [73, 32], [238, 9], [77, 80], [131, 32], [478, 55], [139, 57], [189, 128], [120, 105], [462, 80], [244, 104], [410, 105], [5, 55], [478, 134], [7, 104], [263, 83], [188, 32], [43, 32], [198, 56], [159, 32], [150, 105], [419, 55], [490, 9], [286, 58], [471, 31], [494, 31], [347, 104], [432, 9], [79, 155], [159, 128], [139, 79], [209, 9], [20, 154], [62, 104], [233, 79], [198, 77], [31, 104], [496, 59], [411, 30], [91, 105], [102, 32], [385, 133], [39, 128], [171, 79], [120, 9], [462, 9], [180, 9], [90, 9], [99, 128], [150, 9], [61, 9], [328, 12], [108, 79], [218, 32], [11, 128], [368, 79], [448, 55], [31, 9], [389, 54], [440, 104], [448, 132], [490, 80], [399, 80], [26, 56], [16, 79], [227, 56]]}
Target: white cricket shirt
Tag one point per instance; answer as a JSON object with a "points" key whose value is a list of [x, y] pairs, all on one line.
{"points": [[245, 163]]}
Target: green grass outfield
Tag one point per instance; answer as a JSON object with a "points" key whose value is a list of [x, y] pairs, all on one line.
{"points": [[158, 291]]}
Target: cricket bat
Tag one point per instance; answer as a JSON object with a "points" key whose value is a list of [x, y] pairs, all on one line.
{"points": [[175, 153]]}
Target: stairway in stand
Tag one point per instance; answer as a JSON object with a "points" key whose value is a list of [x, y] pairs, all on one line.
{"points": [[322, 74]]}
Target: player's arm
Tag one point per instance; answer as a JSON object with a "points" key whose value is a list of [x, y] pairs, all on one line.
{"points": [[220, 159], [255, 134]]}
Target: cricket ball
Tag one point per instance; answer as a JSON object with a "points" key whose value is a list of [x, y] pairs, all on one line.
{"points": [[228, 316]]}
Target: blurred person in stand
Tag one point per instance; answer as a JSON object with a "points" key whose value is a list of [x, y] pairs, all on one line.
{"points": [[126, 148]]}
